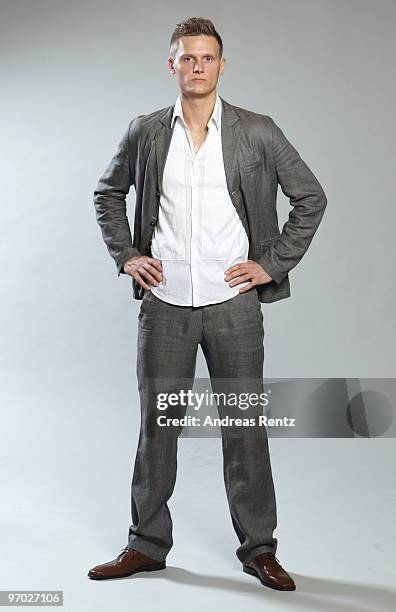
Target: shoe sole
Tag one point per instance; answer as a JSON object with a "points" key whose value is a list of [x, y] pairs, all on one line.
{"points": [[146, 568], [252, 572]]}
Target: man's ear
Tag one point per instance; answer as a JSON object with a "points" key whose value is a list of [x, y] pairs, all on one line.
{"points": [[171, 62]]}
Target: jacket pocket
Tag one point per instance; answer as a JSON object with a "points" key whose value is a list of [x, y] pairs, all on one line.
{"points": [[251, 166], [264, 243]]}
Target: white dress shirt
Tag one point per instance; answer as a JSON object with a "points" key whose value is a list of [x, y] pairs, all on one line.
{"points": [[198, 234]]}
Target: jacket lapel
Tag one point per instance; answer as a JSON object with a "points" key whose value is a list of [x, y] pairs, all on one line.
{"points": [[229, 137], [163, 139]]}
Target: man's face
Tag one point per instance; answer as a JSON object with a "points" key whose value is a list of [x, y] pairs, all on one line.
{"points": [[197, 65]]}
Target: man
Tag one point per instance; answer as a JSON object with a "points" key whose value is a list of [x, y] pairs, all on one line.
{"points": [[206, 252]]}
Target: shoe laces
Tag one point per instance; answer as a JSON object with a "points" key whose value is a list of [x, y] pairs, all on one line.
{"points": [[124, 550]]}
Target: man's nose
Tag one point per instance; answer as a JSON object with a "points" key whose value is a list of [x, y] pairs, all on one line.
{"points": [[198, 67]]}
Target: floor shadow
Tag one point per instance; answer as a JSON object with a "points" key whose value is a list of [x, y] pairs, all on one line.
{"points": [[312, 593]]}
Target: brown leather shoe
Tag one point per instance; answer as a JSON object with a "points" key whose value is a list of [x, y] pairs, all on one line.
{"points": [[267, 569], [128, 562]]}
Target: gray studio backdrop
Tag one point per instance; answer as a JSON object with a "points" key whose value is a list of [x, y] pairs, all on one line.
{"points": [[72, 77]]}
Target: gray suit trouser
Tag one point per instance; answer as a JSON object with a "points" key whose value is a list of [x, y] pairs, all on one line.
{"points": [[231, 336]]}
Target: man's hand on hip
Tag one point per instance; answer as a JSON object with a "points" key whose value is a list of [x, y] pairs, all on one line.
{"points": [[144, 266], [247, 271]]}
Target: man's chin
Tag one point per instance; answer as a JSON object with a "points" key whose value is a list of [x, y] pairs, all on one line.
{"points": [[199, 89]]}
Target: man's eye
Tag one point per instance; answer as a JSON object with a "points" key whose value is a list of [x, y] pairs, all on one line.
{"points": [[209, 58]]}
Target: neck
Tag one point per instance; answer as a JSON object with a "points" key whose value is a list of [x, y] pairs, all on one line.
{"points": [[198, 110]]}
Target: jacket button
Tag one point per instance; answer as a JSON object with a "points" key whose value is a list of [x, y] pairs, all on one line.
{"points": [[153, 222], [158, 193]]}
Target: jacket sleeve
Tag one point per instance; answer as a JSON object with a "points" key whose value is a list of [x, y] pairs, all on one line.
{"points": [[308, 199], [110, 199]]}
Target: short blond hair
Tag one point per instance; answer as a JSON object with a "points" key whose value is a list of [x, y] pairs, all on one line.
{"points": [[194, 26]]}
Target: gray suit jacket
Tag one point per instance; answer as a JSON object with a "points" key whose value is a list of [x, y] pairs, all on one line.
{"points": [[257, 157]]}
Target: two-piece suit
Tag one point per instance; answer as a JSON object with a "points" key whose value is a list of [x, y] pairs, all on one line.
{"points": [[257, 157]]}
